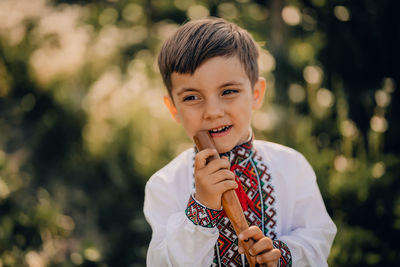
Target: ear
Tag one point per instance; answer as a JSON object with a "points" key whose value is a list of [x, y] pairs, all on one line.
{"points": [[169, 103], [258, 93]]}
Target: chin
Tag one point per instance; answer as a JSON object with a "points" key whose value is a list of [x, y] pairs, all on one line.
{"points": [[224, 148]]}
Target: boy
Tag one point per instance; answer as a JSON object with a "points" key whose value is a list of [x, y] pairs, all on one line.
{"points": [[210, 70]]}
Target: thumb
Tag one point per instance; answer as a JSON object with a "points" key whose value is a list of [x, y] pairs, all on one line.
{"points": [[240, 248]]}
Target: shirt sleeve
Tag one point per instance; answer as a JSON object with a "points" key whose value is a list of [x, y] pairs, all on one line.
{"points": [[201, 215], [286, 257], [183, 235], [312, 230]]}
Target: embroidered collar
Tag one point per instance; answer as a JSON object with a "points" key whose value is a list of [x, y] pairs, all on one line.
{"points": [[239, 157], [246, 147]]}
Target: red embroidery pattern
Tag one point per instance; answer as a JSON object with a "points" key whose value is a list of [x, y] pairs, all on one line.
{"points": [[251, 201], [201, 215], [286, 256]]}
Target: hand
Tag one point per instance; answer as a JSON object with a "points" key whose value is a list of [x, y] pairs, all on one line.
{"points": [[265, 253], [212, 179]]}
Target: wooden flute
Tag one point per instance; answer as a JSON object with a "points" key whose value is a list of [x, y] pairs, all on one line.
{"points": [[230, 201]]}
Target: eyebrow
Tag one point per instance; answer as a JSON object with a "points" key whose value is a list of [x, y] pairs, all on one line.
{"points": [[184, 90], [230, 83]]}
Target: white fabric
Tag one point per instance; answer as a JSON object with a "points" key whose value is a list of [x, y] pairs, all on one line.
{"points": [[302, 221]]}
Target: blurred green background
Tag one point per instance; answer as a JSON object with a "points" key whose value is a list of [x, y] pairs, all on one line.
{"points": [[83, 126]]}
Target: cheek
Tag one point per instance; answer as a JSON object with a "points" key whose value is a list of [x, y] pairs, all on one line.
{"points": [[185, 115], [244, 113], [190, 122]]}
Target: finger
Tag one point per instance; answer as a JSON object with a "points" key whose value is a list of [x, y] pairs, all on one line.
{"points": [[224, 186], [240, 248], [219, 164], [261, 246], [208, 177], [269, 258], [223, 175], [252, 232], [225, 158], [201, 157]]}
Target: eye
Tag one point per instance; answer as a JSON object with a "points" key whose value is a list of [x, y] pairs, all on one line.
{"points": [[190, 98], [229, 91]]}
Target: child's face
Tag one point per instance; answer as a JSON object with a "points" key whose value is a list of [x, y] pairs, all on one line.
{"points": [[219, 98]]}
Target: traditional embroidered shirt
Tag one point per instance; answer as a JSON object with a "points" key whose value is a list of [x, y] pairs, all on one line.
{"points": [[278, 192]]}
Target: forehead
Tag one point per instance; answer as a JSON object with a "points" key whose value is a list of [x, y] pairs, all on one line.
{"points": [[213, 73]]}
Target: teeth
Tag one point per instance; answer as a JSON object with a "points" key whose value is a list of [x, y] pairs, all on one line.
{"points": [[219, 129]]}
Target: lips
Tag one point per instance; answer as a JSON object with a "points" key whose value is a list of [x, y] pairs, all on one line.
{"points": [[220, 131]]}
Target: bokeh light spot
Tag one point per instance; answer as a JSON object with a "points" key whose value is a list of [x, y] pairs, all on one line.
{"points": [[301, 52], [341, 163], [388, 85], [297, 93], [342, 13], [16, 35], [92, 254], [34, 259], [378, 170], [266, 61], [325, 98], [184, 4], [348, 128], [65, 222], [137, 35], [291, 15], [197, 12], [378, 124], [4, 190], [265, 121], [108, 16], [382, 98], [313, 74], [227, 11], [132, 13], [257, 12], [76, 258]]}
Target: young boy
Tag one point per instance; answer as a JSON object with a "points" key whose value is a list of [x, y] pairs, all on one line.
{"points": [[210, 70]]}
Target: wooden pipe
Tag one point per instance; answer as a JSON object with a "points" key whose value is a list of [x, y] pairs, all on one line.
{"points": [[230, 201]]}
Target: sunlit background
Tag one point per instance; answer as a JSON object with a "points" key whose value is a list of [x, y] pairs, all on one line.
{"points": [[83, 126]]}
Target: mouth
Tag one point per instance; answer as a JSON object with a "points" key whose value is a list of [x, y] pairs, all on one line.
{"points": [[220, 131]]}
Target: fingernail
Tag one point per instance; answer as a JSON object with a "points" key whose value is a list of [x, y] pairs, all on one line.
{"points": [[240, 250], [240, 236]]}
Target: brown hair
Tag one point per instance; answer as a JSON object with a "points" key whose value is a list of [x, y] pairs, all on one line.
{"points": [[199, 40]]}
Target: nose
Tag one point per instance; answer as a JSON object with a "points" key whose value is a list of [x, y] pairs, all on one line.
{"points": [[213, 109]]}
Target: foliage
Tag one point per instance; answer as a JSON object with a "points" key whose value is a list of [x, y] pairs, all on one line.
{"points": [[82, 124]]}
